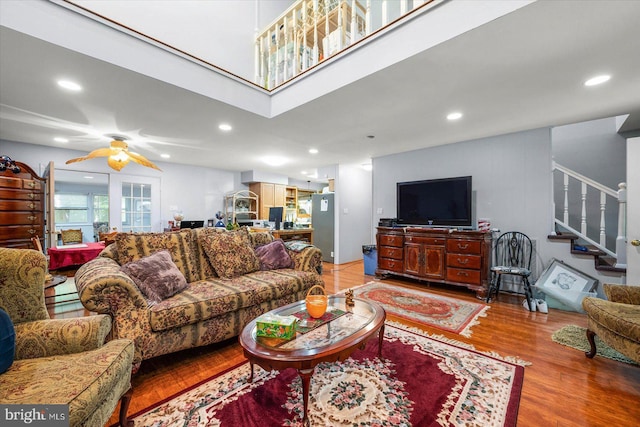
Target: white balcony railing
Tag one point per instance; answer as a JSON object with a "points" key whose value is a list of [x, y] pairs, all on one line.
{"points": [[311, 31], [594, 212]]}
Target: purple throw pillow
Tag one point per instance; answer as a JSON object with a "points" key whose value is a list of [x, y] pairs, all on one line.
{"points": [[156, 275], [273, 256]]}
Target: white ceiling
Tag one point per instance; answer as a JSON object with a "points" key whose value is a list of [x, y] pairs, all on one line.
{"points": [[522, 71]]}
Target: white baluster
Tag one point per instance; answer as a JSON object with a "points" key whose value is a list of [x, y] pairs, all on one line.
{"points": [[417, 3], [565, 218], [305, 52], [368, 18], [385, 13], [403, 7], [583, 215], [621, 239], [325, 48], [340, 29], [603, 206], [316, 53], [277, 67], [285, 52], [270, 76], [354, 28]]}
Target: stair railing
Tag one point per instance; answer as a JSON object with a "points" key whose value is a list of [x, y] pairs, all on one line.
{"points": [[603, 193], [311, 31]]}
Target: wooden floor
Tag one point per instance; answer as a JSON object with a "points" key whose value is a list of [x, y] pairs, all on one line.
{"points": [[561, 387]]}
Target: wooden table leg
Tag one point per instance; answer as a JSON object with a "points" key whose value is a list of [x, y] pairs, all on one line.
{"points": [[380, 340], [305, 375]]}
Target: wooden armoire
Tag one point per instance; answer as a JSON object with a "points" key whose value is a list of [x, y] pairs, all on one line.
{"points": [[22, 207]]}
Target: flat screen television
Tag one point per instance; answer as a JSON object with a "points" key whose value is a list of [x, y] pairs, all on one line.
{"points": [[443, 202]]}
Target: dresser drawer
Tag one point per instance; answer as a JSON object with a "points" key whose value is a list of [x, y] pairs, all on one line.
{"points": [[432, 241], [10, 194], [464, 261], [462, 275], [390, 252], [31, 184], [464, 246], [20, 231], [7, 182], [21, 218], [391, 265], [390, 240], [20, 205]]}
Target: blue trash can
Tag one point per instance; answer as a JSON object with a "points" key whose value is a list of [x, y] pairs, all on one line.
{"points": [[370, 254]]}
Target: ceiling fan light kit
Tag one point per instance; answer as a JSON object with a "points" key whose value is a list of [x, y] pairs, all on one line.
{"points": [[118, 155]]}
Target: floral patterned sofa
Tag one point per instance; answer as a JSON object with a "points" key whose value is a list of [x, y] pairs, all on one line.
{"points": [[224, 289], [59, 361]]}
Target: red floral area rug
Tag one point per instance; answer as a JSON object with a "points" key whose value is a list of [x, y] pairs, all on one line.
{"points": [[421, 381], [448, 314]]}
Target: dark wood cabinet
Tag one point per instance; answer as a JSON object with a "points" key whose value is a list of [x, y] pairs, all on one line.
{"points": [[21, 207], [459, 258]]}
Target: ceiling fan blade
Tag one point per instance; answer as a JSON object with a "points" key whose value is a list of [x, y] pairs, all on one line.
{"points": [[142, 160], [100, 152]]}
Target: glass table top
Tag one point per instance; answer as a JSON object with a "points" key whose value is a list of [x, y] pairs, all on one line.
{"points": [[348, 322]]}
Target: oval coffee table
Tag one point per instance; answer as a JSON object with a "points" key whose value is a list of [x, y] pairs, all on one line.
{"points": [[331, 342]]}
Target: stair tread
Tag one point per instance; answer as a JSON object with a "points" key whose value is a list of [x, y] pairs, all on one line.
{"points": [[562, 236]]}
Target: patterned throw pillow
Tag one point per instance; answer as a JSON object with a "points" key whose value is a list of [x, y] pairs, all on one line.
{"points": [[180, 244], [156, 275], [274, 255], [230, 253], [259, 238]]}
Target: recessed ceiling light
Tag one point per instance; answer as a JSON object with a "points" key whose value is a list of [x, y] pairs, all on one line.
{"points": [[165, 156], [68, 84], [371, 136], [87, 177], [304, 172], [225, 127], [597, 80], [454, 116], [313, 150], [274, 160], [58, 139]]}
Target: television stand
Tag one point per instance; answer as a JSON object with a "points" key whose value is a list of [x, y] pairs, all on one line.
{"points": [[454, 257]]}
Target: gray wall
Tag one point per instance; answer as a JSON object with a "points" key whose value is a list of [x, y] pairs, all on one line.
{"points": [[512, 181]]}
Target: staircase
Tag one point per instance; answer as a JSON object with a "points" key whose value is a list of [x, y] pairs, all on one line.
{"points": [[602, 260], [589, 193]]}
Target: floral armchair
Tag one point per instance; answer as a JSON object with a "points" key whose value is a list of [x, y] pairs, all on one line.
{"points": [[615, 320], [59, 361]]}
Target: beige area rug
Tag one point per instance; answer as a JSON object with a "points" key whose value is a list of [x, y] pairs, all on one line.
{"points": [[575, 337], [445, 313]]}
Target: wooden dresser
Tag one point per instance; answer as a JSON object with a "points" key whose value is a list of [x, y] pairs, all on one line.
{"points": [[460, 258], [21, 207]]}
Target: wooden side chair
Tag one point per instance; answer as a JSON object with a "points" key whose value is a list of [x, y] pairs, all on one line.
{"points": [[71, 236]]}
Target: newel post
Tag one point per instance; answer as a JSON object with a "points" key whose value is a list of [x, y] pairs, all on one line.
{"points": [[621, 239]]}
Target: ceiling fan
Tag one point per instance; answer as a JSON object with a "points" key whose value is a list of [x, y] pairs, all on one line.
{"points": [[118, 155]]}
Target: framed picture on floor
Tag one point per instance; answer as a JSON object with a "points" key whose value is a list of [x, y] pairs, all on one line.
{"points": [[560, 278]]}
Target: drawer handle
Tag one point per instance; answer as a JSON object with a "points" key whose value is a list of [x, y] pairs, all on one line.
{"points": [[463, 273], [32, 196], [463, 260], [32, 205], [32, 231], [463, 246], [31, 218], [31, 184]]}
